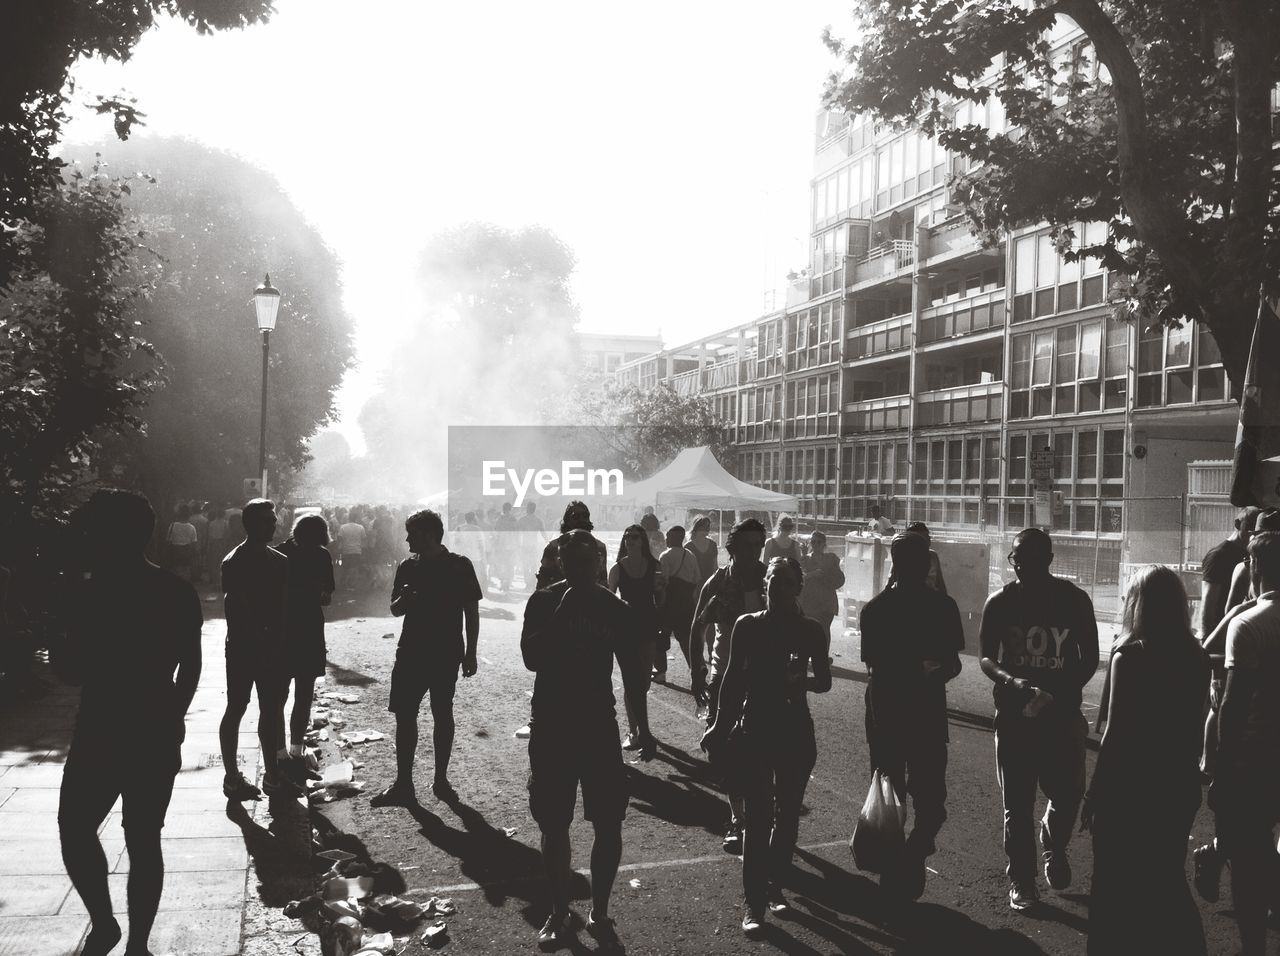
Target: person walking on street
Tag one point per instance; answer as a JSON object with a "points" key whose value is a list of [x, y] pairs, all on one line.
{"points": [[1145, 792], [823, 579], [911, 643], [934, 580], [311, 587], [764, 698], [1246, 789], [680, 569], [352, 537], [470, 544], [573, 631], [734, 590], [437, 594], [638, 580], [255, 588], [532, 539], [1039, 644], [781, 544], [702, 547], [506, 540], [133, 643], [577, 517]]}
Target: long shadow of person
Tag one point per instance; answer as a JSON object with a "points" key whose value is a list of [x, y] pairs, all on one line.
{"points": [[281, 852], [503, 867], [684, 797]]}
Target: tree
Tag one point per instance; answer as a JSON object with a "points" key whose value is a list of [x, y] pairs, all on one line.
{"points": [[494, 343], [40, 42], [1171, 146], [648, 428], [74, 366], [219, 223]]}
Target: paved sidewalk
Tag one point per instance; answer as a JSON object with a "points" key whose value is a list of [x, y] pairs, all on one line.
{"points": [[206, 860]]}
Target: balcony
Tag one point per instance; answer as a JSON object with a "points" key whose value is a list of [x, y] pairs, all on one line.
{"points": [[949, 238], [980, 313], [877, 414], [887, 259], [722, 375], [686, 383], [879, 338], [960, 405]]}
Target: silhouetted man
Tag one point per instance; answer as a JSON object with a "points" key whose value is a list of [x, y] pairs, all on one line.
{"points": [[437, 594], [133, 642], [255, 588], [572, 632], [1039, 647], [577, 517]]}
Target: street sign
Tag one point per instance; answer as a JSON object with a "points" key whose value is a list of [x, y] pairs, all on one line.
{"points": [[252, 488], [1043, 502]]}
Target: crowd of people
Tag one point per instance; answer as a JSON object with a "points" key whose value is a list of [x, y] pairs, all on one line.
{"points": [[755, 635]]}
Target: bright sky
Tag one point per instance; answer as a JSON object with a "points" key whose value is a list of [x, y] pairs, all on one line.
{"points": [[669, 145]]}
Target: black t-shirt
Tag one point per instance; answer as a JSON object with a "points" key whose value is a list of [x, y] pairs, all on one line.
{"points": [[255, 581], [551, 570], [125, 637], [1046, 634], [1220, 563], [434, 621], [901, 629], [776, 652], [572, 654]]}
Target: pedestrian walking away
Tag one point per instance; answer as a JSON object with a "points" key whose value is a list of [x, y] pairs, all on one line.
{"points": [[1145, 792], [311, 587], [255, 588], [573, 631], [638, 580], [734, 590], [680, 569], [577, 516], [1039, 644], [1245, 795], [133, 643], [911, 643], [934, 579], [438, 595], [764, 702], [823, 579], [702, 547]]}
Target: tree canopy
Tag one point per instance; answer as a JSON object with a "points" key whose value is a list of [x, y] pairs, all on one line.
{"points": [[219, 223], [1170, 142], [40, 42], [75, 367]]}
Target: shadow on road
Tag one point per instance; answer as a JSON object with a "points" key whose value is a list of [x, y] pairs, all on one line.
{"points": [[350, 678], [281, 852], [683, 797]]}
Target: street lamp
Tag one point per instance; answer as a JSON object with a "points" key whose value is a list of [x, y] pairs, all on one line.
{"points": [[266, 302]]}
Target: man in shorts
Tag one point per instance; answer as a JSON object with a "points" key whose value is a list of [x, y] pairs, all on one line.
{"points": [[436, 592], [572, 632], [133, 642], [255, 588]]}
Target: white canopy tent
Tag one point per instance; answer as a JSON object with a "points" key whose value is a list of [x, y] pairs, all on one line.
{"points": [[696, 480]]}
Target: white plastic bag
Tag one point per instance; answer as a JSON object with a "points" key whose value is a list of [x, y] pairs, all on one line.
{"points": [[878, 837]]}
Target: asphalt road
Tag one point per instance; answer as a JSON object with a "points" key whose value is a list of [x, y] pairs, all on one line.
{"points": [[678, 892]]}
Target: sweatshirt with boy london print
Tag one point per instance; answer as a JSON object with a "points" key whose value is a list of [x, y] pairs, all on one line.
{"points": [[1045, 633]]}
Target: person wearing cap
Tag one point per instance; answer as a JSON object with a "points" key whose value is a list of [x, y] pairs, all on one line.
{"points": [[911, 643], [1039, 642]]}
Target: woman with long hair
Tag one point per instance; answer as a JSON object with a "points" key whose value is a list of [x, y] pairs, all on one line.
{"points": [[311, 586], [764, 702], [782, 544], [823, 579], [1146, 782], [703, 547], [638, 580]]}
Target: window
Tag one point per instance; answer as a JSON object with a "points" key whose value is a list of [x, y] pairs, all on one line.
{"points": [[1088, 471], [1074, 368], [813, 337], [953, 477], [812, 408], [1045, 283], [1178, 366]]}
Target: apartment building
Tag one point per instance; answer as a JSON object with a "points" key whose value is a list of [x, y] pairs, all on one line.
{"points": [[915, 368]]}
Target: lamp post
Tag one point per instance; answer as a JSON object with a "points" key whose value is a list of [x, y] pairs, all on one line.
{"points": [[266, 302]]}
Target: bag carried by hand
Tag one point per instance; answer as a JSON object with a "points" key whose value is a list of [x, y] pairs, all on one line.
{"points": [[878, 839]]}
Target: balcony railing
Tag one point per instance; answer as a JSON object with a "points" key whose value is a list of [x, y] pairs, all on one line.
{"points": [[877, 414], [960, 405], [722, 375], [886, 259], [877, 338], [686, 383], [950, 237], [978, 313]]}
